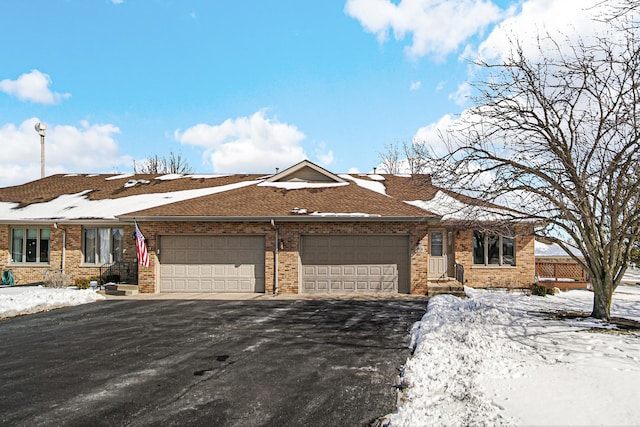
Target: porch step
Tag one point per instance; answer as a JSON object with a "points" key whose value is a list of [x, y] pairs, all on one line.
{"points": [[120, 289], [449, 287]]}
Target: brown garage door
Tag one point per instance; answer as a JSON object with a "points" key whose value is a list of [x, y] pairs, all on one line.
{"points": [[212, 263], [346, 264]]}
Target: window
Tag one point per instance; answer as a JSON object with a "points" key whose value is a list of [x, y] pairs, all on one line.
{"points": [[103, 245], [436, 243], [30, 245], [494, 249]]}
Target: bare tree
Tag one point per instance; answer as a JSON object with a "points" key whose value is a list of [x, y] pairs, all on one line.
{"points": [[416, 155], [558, 134], [161, 165], [390, 161], [413, 162]]}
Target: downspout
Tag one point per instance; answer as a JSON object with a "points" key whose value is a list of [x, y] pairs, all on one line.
{"points": [[64, 246], [64, 249], [275, 259]]}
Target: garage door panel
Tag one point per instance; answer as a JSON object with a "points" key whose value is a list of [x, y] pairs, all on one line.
{"points": [[355, 263], [191, 263]]}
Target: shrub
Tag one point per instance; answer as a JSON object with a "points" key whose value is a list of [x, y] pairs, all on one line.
{"points": [[541, 290], [56, 279], [82, 283]]}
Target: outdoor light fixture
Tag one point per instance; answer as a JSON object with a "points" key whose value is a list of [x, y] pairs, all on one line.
{"points": [[41, 128]]}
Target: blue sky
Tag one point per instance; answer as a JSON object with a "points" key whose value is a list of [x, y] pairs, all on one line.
{"points": [[240, 86]]}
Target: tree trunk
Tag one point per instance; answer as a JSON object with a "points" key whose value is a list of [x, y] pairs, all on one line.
{"points": [[602, 295]]}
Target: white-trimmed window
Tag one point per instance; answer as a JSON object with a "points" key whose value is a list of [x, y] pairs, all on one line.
{"points": [[30, 245], [494, 249], [102, 245]]}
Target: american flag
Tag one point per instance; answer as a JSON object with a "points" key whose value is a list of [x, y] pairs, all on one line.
{"points": [[141, 248]]}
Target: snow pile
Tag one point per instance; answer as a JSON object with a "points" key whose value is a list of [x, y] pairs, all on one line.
{"points": [[19, 300], [498, 358]]}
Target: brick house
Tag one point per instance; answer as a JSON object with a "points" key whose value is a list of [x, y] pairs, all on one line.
{"points": [[302, 230]]}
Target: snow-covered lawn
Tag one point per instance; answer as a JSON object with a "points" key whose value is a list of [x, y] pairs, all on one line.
{"points": [[18, 300], [497, 358], [493, 358]]}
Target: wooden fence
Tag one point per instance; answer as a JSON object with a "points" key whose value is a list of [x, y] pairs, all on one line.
{"points": [[561, 274]]}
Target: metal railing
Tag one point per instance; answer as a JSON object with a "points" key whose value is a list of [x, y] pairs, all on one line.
{"points": [[459, 272], [119, 272]]}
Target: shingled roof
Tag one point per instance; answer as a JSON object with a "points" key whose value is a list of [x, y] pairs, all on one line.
{"points": [[303, 191]]}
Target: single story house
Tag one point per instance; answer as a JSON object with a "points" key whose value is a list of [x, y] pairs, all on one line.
{"points": [[301, 230]]}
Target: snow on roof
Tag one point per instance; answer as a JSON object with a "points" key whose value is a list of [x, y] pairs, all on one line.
{"points": [[376, 177], [206, 176], [121, 176], [348, 214], [378, 187], [298, 185], [78, 206], [170, 176], [552, 249], [453, 209]]}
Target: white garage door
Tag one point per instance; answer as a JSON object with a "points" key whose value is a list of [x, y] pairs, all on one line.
{"points": [[212, 263], [351, 264]]}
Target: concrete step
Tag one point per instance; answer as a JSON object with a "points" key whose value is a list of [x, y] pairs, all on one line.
{"points": [[452, 288], [120, 289]]}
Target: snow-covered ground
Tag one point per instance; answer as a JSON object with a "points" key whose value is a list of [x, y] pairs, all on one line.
{"points": [[497, 358], [19, 300], [493, 358]]}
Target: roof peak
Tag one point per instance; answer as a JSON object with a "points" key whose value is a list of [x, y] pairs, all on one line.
{"points": [[305, 171]]}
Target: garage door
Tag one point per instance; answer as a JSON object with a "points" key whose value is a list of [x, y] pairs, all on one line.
{"points": [[346, 264], [212, 263]]}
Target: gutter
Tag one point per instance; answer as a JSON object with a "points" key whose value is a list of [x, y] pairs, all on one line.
{"points": [[288, 218]]}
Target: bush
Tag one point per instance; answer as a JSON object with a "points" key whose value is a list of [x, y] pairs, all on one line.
{"points": [[56, 279], [82, 283], [540, 290]]}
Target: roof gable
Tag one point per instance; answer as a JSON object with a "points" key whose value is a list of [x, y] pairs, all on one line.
{"points": [[305, 171]]}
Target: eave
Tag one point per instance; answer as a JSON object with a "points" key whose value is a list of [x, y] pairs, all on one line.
{"points": [[288, 218]]}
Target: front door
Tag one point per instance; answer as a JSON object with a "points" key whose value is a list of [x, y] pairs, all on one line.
{"points": [[438, 260]]}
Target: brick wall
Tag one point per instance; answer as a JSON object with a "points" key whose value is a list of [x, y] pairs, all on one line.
{"points": [[73, 265], [519, 276], [288, 256], [522, 275]]}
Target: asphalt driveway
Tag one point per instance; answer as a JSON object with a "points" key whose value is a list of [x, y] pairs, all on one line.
{"points": [[227, 363]]}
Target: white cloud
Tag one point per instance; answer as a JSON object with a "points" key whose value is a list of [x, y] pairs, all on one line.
{"points": [[437, 27], [324, 157], [431, 134], [563, 20], [117, 1], [415, 86], [247, 144], [34, 87], [87, 148], [462, 95]]}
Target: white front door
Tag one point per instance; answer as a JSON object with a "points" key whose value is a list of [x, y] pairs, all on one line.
{"points": [[438, 262]]}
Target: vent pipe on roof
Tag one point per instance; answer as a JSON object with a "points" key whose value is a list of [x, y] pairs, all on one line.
{"points": [[277, 170], [374, 170]]}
